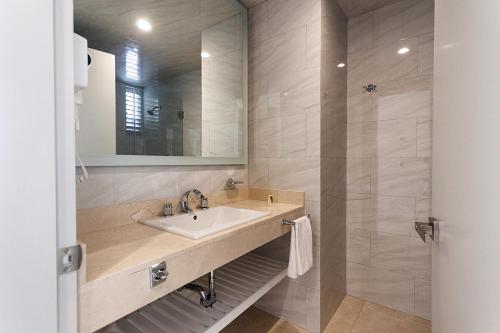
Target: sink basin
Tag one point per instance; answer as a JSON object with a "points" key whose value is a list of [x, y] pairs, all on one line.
{"points": [[205, 222]]}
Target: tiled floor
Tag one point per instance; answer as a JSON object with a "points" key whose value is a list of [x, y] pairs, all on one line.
{"points": [[353, 316]]}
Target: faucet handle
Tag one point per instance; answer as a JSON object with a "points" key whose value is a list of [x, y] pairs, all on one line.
{"points": [[231, 183], [204, 203], [168, 209]]}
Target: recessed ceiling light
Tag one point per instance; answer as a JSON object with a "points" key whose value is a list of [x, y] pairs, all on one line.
{"points": [[341, 65], [143, 25], [403, 50], [205, 54]]}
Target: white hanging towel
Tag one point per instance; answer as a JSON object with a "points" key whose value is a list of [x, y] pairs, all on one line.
{"points": [[301, 257]]}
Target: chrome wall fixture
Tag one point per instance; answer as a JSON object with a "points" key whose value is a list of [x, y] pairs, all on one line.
{"points": [[288, 222], [370, 88]]}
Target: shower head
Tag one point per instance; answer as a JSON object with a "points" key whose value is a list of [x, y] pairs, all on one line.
{"points": [[152, 111]]}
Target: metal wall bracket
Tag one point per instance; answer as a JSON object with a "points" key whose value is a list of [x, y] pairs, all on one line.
{"points": [[69, 259], [427, 228]]}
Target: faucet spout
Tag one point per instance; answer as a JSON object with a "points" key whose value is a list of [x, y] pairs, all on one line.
{"points": [[185, 201]]}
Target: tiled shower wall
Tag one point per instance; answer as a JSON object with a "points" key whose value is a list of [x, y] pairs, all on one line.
{"points": [[284, 132], [294, 46], [389, 149], [333, 159]]}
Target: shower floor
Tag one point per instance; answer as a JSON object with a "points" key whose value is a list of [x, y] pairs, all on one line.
{"points": [[353, 316]]}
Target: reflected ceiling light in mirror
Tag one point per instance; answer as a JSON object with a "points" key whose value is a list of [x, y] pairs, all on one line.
{"points": [[341, 65], [143, 24], [403, 50], [205, 54]]}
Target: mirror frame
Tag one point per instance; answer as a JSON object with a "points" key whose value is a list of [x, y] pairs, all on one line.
{"points": [[146, 160]]}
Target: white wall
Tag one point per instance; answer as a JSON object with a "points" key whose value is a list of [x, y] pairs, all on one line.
{"points": [[28, 280], [466, 177]]}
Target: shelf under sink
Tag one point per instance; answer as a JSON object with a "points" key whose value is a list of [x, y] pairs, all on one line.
{"points": [[239, 284]]}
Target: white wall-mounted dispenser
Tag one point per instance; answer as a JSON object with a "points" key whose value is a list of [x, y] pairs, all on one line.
{"points": [[80, 63], [81, 75]]}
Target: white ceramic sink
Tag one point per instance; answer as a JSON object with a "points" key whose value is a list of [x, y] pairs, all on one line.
{"points": [[205, 222]]}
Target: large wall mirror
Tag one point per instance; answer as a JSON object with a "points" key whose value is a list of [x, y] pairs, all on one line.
{"points": [[167, 82]]}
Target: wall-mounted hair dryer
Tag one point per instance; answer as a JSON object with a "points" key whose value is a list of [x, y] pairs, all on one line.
{"points": [[80, 63]]}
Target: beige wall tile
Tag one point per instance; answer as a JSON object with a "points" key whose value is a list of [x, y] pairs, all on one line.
{"points": [[419, 257], [98, 190], [361, 139], [258, 172], [263, 137], [403, 99], [286, 15], [402, 176], [423, 299], [396, 138], [293, 139], [424, 137], [388, 214], [389, 22], [383, 63], [286, 300], [423, 209], [359, 175], [405, 19], [358, 278], [419, 18], [296, 174], [392, 289], [358, 245], [282, 54], [257, 21], [360, 32], [426, 55], [359, 106], [313, 132], [145, 183], [313, 52], [389, 252], [293, 92]]}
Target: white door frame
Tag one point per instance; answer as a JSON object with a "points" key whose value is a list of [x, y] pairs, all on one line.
{"points": [[65, 161], [36, 173]]}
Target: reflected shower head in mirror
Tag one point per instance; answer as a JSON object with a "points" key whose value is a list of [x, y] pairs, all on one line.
{"points": [[152, 111]]}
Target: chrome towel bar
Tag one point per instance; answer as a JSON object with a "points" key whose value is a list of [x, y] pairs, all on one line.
{"points": [[287, 222]]}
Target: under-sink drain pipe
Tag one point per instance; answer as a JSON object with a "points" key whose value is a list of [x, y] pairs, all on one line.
{"points": [[207, 298]]}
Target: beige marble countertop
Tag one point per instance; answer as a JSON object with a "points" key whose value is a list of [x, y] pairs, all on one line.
{"points": [[124, 248]]}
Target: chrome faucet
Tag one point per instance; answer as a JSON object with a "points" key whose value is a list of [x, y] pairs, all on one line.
{"points": [[185, 201]]}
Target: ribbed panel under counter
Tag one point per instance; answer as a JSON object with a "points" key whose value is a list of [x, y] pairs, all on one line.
{"points": [[239, 284]]}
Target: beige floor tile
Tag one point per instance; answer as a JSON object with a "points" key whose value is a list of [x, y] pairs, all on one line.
{"points": [[257, 321], [353, 316], [374, 318], [348, 312]]}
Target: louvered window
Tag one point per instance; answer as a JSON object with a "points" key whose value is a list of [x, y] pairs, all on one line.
{"points": [[133, 109], [132, 68]]}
